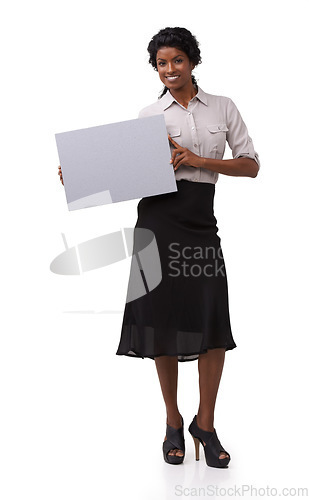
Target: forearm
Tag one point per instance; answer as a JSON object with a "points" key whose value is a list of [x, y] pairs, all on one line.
{"points": [[242, 167]]}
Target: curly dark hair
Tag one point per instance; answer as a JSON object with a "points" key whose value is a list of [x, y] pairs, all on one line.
{"points": [[175, 37]]}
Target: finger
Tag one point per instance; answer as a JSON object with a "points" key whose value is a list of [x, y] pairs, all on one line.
{"points": [[179, 161], [173, 142], [174, 154], [181, 154]]}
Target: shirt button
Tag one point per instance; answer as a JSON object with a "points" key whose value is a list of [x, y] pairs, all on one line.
{"points": [[195, 145], [193, 128]]}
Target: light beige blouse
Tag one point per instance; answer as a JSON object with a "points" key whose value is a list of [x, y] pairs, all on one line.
{"points": [[203, 128]]}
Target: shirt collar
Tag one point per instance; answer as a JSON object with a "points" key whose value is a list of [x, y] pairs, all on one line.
{"points": [[168, 99]]}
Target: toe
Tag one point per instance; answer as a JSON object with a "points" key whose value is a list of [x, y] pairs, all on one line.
{"points": [[175, 451], [171, 452]]}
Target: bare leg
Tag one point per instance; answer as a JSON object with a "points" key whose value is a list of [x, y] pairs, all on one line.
{"points": [[167, 368], [210, 366]]}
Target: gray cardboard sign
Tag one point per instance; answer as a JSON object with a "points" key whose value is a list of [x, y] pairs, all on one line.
{"points": [[116, 162]]}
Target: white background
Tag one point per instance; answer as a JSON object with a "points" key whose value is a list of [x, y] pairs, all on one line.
{"points": [[77, 421]]}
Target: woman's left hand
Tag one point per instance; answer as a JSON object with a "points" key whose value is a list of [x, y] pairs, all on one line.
{"points": [[183, 156]]}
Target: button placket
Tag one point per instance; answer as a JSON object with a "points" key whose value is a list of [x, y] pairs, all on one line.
{"points": [[194, 138], [193, 133]]}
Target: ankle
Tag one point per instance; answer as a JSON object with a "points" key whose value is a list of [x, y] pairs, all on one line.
{"points": [[205, 422], [174, 419]]}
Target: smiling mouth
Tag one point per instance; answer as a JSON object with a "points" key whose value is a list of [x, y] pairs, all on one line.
{"points": [[172, 78]]}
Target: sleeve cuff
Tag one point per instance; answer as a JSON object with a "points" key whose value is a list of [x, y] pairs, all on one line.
{"points": [[248, 155]]}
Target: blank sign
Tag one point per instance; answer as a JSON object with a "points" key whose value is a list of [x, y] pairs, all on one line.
{"points": [[116, 162]]}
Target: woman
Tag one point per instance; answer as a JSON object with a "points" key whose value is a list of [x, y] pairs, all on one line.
{"points": [[186, 317]]}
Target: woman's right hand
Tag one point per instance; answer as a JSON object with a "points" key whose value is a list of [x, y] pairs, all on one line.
{"points": [[60, 173]]}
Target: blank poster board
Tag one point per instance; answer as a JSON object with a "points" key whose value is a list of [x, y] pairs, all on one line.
{"points": [[116, 162]]}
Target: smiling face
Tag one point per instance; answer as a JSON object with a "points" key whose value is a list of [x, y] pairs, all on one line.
{"points": [[174, 68]]}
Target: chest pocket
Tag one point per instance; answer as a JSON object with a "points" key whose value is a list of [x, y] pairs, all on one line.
{"points": [[216, 137], [175, 134]]}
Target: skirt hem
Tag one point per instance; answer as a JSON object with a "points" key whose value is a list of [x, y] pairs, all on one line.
{"points": [[181, 357]]}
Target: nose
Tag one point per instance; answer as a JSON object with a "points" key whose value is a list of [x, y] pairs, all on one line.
{"points": [[170, 67]]}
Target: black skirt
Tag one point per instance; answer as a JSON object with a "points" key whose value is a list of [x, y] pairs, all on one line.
{"points": [[187, 313]]}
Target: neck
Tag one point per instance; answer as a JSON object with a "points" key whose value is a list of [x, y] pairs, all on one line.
{"points": [[184, 95]]}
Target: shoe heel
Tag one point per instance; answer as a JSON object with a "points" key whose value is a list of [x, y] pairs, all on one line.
{"points": [[197, 448]]}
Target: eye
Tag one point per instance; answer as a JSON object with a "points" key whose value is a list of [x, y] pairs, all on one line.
{"points": [[161, 63], [179, 60]]}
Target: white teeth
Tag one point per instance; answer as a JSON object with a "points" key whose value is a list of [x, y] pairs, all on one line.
{"points": [[172, 77]]}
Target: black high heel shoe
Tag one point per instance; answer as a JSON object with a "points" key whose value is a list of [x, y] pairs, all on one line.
{"points": [[174, 439], [213, 448]]}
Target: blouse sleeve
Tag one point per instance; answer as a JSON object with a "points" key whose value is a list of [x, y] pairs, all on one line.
{"points": [[237, 136], [142, 113]]}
